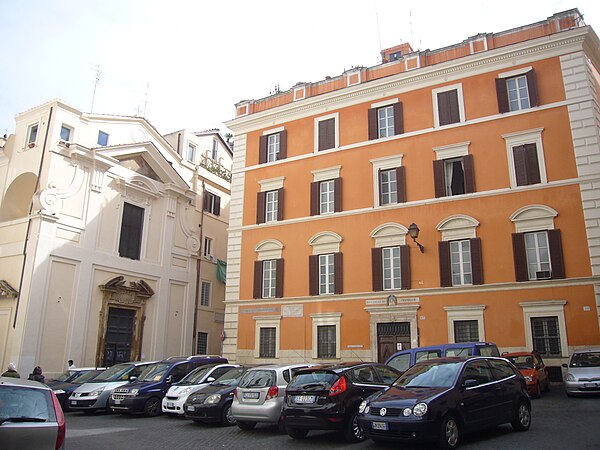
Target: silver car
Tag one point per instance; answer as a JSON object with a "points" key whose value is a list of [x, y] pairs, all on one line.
{"points": [[30, 416], [583, 373], [260, 394]]}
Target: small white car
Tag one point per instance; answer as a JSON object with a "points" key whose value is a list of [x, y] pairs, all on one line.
{"points": [[583, 373], [173, 402]]}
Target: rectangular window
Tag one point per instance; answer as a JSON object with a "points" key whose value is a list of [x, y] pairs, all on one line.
{"points": [[527, 166], [205, 294], [326, 139], [388, 187], [202, 344], [538, 255], [271, 206], [391, 268], [207, 247], [466, 331], [215, 148], [460, 261], [518, 93], [454, 176], [385, 121], [448, 109], [546, 336], [273, 147], [267, 346], [65, 133], [102, 138], [130, 242], [191, 152], [269, 278], [326, 341], [212, 203], [326, 197], [326, 274], [32, 133]]}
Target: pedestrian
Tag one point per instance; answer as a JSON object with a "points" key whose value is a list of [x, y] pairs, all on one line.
{"points": [[71, 364], [36, 375], [12, 371]]}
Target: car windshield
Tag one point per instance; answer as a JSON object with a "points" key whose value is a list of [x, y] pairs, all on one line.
{"points": [[522, 362], [258, 379], [155, 372], [430, 374], [587, 359], [229, 378], [117, 372], [195, 376], [65, 376], [84, 377], [319, 379]]}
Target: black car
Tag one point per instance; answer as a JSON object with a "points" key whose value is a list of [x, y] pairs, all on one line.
{"points": [[212, 403], [440, 399], [327, 397], [65, 389]]}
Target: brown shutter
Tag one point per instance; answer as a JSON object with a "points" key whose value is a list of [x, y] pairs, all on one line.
{"points": [[338, 275], [502, 95], [262, 149], [314, 198], [532, 164], [520, 159], [313, 275], [398, 118], [379, 181], [521, 273], [445, 270], [469, 173], [280, 204], [377, 269], [217, 211], [476, 260], [282, 144], [448, 107], [260, 207], [401, 184], [404, 267], [326, 134], [556, 254], [279, 278], [337, 194], [532, 87], [258, 266], [373, 125], [438, 178]]}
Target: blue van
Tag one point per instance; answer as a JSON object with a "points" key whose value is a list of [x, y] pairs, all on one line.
{"points": [[404, 359]]}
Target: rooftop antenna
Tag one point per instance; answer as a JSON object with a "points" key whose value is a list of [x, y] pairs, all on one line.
{"points": [[146, 97], [411, 26], [98, 73], [378, 30]]}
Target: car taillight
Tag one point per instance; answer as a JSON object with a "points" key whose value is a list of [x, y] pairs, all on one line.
{"points": [[235, 393], [273, 392], [60, 420], [338, 387]]}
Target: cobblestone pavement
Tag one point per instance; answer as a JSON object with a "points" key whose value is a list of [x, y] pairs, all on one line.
{"points": [[558, 422]]}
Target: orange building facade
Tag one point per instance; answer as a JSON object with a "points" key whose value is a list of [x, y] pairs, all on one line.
{"points": [[488, 148]]}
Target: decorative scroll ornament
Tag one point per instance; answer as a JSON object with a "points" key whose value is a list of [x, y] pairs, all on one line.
{"points": [[193, 244]]}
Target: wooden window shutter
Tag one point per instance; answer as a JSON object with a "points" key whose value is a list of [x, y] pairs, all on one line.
{"points": [[337, 194], [262, 149], [260, 207], [518, 241], [556, 254], [338, 275], [373, 124], [313, 275], [326, 134], [445, 270], [377, 269], [280, 204], [469, 172], [404, 267], [282, 144], [379, 181], [448, 107], [401, 184], [532, 164], [438, 178], [314, 198], [476, 260], [217, 211], [279, 279], [532, 87], [258, 268], [520, 159], [398, 118], [502, 95]]}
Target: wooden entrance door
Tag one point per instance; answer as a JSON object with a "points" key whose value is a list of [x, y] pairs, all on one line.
{"points": [[392, 337], [119, 336]]}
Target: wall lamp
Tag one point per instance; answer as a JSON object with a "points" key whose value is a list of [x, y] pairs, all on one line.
{"points": [[413, 230]]}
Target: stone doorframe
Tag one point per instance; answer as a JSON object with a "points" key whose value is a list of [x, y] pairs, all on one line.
{"points": [[133, 295], [395, 313]]}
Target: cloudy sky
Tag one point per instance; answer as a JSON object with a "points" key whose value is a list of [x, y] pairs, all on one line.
{"points": [[184, 64]]}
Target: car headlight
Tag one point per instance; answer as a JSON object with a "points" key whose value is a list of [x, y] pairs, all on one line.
{"points": [[571, 377], [96, 392], [362, 406], [528, 378], [134, 392], [212, 399], [420, 409]]}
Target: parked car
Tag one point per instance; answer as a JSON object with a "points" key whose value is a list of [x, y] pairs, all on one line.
{"points": [[212, 403], [440, 399], [260, 393], [30, 416], [68, 375], [532, 367], [178, 393], [145, 394], [404, 359], [327, 397], [583, 373], [93, 395], [64, 390]]}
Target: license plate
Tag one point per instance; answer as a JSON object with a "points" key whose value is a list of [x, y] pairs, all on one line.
{"points": [[304, 399], [117, 402], [590, 385], [379, 425], [251, 395], [170, 405], [191, 408]]}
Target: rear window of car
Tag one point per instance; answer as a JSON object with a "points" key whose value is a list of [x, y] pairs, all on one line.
{"points": [[258, 379], [318, 379], [26, 403]]}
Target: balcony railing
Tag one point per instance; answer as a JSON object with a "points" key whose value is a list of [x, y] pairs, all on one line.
{"points": [[215, 167]]}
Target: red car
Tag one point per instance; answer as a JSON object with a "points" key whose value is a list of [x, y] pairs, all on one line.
{"points": [[531, 365]]}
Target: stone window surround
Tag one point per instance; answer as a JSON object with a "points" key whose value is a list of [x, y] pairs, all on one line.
{"points": [[326, 318], [465, 312], [461, 103], [266, 322], [546, 308], [533, 136]]}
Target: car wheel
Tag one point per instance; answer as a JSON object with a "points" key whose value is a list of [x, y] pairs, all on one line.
{"points": [[227, 418], [246, 425], [352, 430], [152, 407], [297, 433], [449, 433], [522, 421]]}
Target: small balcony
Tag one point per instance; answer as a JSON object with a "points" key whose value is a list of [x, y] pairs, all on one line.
{"points": [[215, 167]]}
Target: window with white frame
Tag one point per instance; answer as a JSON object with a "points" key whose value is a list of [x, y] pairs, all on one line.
{"points": [[517, 90], [546, 335], [537, 252], [215, 148], [466, 331], [205, 294], [388, 186], [202, 344], [326, 274], [32, 133], [385, 121], [271, 206], [326, 341], [460, 262], [465, 323], [326, 132], [389, 180], [269, 278], [448, 105], [391, 268], [191, 152], [326, 197], [267, 336], [65, 132], [102, 138], [545, 327], [326, 335], [273, 141], [525, 157], [207, 247], [518, 93], [212, 203]]}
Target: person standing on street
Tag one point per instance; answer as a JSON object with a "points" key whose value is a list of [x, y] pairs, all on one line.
{"points": [[71, 364], [36, 375], [12, 371]]}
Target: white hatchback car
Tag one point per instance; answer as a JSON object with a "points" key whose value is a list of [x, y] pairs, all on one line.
{"points": [[583, 373]]}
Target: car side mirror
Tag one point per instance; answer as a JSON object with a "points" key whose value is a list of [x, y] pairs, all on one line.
{"points": [[565, 365], [210, 379], [469, 383], [132, 378], [169, 379]]}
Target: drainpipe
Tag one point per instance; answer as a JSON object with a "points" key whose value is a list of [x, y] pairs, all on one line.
{"points": [[198, 273]]}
